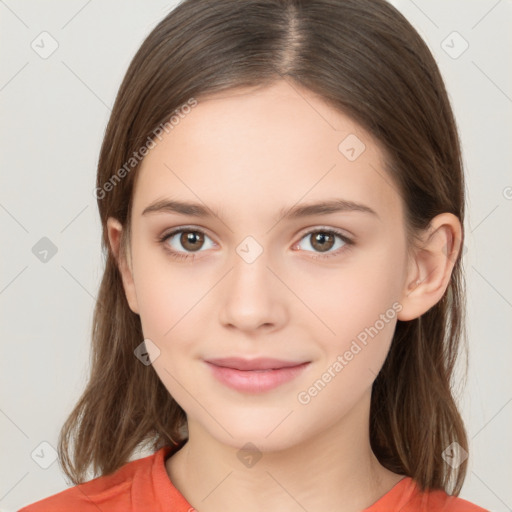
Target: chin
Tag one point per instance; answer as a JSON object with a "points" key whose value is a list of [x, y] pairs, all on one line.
{"points": [[266, 432]]}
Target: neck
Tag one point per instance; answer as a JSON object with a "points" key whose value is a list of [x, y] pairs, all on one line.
{"points": [[335, 470]]}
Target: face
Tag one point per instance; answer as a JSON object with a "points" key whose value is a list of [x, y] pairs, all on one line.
{"points": [[258, 275]]}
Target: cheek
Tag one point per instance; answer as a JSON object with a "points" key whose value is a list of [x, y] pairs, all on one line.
{"points": [[169, 302], [351, 359], [167, 292], [359, 304], [354, 295]]}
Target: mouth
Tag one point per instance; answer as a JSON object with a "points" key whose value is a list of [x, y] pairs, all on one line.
{"points": [[255, 375], [258, 364]]}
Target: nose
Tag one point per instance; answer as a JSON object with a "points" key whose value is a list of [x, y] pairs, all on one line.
{"points": [[252, 298]]}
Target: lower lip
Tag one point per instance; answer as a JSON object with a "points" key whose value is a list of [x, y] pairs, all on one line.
{"points": [[255, 381]]}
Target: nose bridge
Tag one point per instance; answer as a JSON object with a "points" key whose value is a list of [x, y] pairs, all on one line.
{"points": [[250, 275], [250, 296]]}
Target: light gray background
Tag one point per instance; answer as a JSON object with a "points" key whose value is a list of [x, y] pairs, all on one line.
{"points": [[54, 112]]}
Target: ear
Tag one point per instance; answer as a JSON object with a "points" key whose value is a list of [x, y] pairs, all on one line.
{"points": [[115, 229], [430, 267]]}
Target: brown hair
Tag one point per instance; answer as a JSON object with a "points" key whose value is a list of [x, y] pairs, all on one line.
{"points": [[366, 60]]}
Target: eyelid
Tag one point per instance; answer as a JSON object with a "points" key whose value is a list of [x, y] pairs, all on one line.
{"points": [[328, 229], [312, 229]]}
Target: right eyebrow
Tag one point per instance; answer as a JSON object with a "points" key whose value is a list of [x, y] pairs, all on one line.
{"points": [[181, 207]]}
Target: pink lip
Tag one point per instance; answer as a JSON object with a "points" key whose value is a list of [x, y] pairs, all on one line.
{"points": [[256, 375]]}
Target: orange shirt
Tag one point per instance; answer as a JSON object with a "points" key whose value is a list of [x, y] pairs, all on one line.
{"points": [[143, 485]]}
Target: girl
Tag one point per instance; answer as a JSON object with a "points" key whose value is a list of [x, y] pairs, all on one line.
{"points": [[282, 200]]}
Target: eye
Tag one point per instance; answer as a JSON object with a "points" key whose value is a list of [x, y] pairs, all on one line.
{"points": [[324, 242], [190, 240], [328, 241]]}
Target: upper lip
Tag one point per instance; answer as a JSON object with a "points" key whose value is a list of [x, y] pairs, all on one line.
{"points": [[260, 363]]}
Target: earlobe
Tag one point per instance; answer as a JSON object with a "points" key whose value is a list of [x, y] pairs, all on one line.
{"points": [[114, 229], [431, 269]]}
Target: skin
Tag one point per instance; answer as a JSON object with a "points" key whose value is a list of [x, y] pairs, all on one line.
{"points": [[246, 154]]}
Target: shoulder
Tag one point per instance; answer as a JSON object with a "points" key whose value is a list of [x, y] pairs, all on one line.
{"points": [[407, 497], [109, 493], [442, 502]]}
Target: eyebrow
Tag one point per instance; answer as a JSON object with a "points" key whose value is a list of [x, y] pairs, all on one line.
{"points": [[293, 212]]}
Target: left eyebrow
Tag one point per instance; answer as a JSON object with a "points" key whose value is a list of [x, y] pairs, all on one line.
{"points": [[325, 208]]}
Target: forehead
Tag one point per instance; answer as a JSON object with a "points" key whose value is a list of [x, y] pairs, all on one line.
{"points": [[265, 148]]}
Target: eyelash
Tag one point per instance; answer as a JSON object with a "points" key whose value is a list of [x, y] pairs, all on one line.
{"points": [[181, 256]]}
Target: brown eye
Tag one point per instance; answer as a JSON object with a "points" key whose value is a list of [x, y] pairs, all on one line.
{"points": [[322, 241], [184, 242], [192, 240]]}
